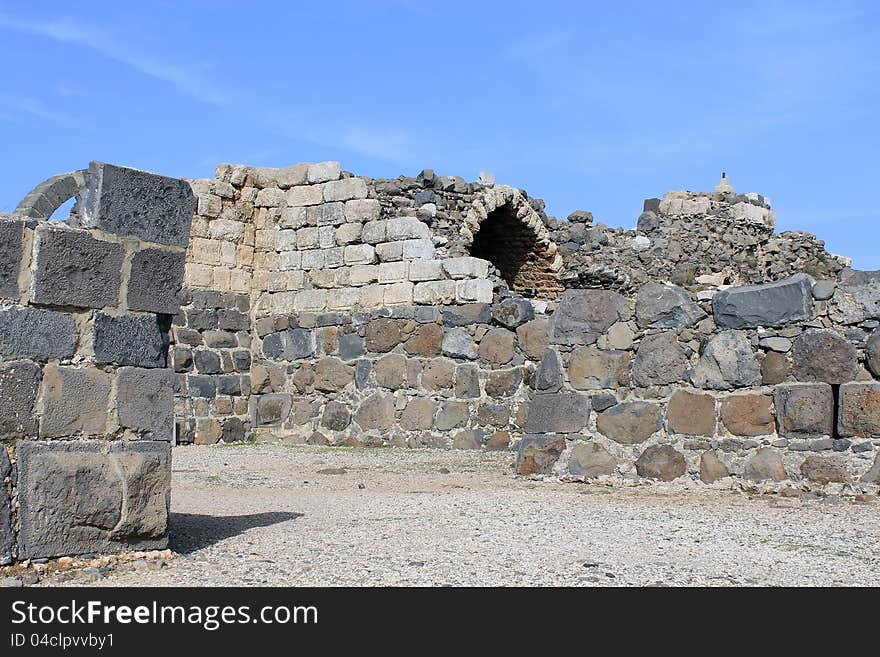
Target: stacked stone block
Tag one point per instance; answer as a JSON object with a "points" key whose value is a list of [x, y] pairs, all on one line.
{"points": [[86, 400]]}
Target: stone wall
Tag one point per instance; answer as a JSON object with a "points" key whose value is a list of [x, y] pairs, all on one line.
{"points": [[86, 400]]}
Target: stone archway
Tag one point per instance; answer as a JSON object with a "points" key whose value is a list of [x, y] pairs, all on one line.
{"points": [[44, 199], [503, 228]]}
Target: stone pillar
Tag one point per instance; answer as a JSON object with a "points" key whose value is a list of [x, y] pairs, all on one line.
{"points": [[86, 398]]}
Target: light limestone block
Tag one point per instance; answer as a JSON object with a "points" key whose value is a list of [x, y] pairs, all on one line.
{"points": [[474, 291], [434, 292], [345, 189], [313, 259], [392, 272], [307, 238], [333, 257], [406, 228], [374, 232], [420, 249], [348, 233], [364, 274], [425, 270], [323, 171], [362, 210], [388, 251], [398, 293], [305, 195], [359, 254], [466, 267], [310, 300]]}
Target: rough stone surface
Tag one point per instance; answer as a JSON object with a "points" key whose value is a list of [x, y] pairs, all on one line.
{"points": [[629, 423], [270, 409], [538, 454], [534, 337], [666, 306], [503, 383], [497, 346], [376, 412], [857, 298], [548, 376], [458, 343], [19, 382], [75, 402], [727, 362], [590, 460], [136, 340], [155, 280], [747, 415], [859, 410], [774, 368], [10, 256], [765, 465], [659, 360], [146, 401], [292, 344], [557, 413], [513, 312], [711, 467], [425, 341], [78, 497], [7, 535], [769, 304], [824, 355], [824, 469], [130, 202], [74, 269], [691, 413], [36, 333], [661, 462], [872, 353], [336, 416], [583, 315], [804, 410], [382, 335], [597, 369]]}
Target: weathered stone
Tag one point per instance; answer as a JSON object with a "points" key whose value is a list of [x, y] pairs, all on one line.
{"points": [[418, 414], [458, 343], [620, 336], [467, 381], [747, 415], [7, 535], [534, 337], [376, 412], [857, 298], [659, 360], [336, 416], [596, 369], [872, 476], [270, 409], [145, 401], [438, 374], [390, 371], [629, 423], [602, 400], [548, 376], [824, 290], [711, 467], [824, 469], [136, 340], [765, 465], [382, 335], [859, 410], [332, 375], [36, 333], [503, 383], [11, 233], [727, 362], [691, 413], [425, 341], [466, 314], [351, 346], [233, 430], [496, 415], [513, 312], [155, 280], [661, 462], [781, 345], [538, 454], [467, 439], [804, 410], [452, 414], [78, 497], [75, 402], [19, 382], [591, 460], [583, 315], [498, 441], [201, 386], [496, 347], [824, 355], [131, 202], [219, 339], [74, 269], [561, 412], [666, 306], [292, 344], [769, 304], [207, 362], [872, 353], [774, 368]]}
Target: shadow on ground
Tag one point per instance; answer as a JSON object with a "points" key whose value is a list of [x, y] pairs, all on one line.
{"points": [[193, 531]]}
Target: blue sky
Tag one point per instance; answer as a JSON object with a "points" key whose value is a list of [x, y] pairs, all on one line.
{"points": [[588, 105]]}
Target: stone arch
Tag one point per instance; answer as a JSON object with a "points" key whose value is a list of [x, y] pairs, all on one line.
{"points": [[44, 199], [502, 227]]}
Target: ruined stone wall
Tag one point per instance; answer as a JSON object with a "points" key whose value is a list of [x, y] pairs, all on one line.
{"points": [[86, 400]]}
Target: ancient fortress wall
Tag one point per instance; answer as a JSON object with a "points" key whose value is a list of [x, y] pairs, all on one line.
{"points": [[318, 307]]}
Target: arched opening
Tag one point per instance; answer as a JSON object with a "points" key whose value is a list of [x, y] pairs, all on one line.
{"points": [[513, 238]]}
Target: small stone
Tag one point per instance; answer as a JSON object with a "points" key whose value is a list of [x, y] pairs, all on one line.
{"points": [[711, 467], [533, 337], [765, 465], [538, 454], [595, 369], [557, 413], [661, 462], [382, 335], [425, 341], [458, 343], [548, 377], [336, 416], [591, 460], [824, 290], [774, 368], [513, 312], [496, 347], [824, 469], [872, 353], [666, 306], [804, 410], [583, 315], [781, 345]]}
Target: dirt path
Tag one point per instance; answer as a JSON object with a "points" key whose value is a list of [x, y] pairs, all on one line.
{"points": [[316, 516]]}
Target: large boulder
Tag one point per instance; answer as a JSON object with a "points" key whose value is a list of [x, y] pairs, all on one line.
{"points": [[659, 360], [591, 460], [666, 306], [661, 462], [769, 304], [859, 410], [804, 410], [824, 355], [561, 412], [598, 369], [857, 298], [727, 362], [538, 454], [630, 423]]}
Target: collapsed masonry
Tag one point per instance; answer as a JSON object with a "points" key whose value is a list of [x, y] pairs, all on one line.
{"points": [[318, 307]]}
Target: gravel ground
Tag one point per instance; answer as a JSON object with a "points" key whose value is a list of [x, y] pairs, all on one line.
{"points": [[261, 515]]}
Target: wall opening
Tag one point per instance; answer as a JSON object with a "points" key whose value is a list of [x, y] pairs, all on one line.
{"points": [[525, 264]]}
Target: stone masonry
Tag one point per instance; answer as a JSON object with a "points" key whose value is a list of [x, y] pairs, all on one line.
{"points": [[308, 305]]}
